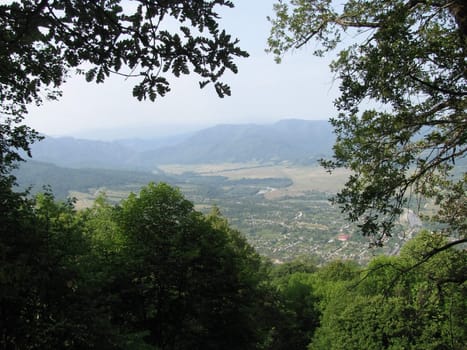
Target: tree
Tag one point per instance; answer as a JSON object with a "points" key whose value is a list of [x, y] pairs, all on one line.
{"points": [[380, 308], [43, 41], [402, 119], [187, 281], [296, 289], [48, 299]]}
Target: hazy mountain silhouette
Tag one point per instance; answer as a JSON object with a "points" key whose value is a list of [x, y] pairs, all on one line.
{"points": [[292, 140], [78, 153]]}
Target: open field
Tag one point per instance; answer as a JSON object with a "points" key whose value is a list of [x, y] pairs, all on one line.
{"points": [[304, 178]]}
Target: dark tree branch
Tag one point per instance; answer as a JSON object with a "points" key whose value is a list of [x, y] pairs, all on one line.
{"points": [[437, 88]]}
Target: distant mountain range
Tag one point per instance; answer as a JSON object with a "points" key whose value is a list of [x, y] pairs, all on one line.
{"points": [[291, 140]]}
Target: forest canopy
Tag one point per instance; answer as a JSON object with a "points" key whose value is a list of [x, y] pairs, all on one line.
{"points": [[154, 273]]}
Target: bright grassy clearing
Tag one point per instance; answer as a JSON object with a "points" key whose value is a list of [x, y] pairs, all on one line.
{"points": [[304, 178]]}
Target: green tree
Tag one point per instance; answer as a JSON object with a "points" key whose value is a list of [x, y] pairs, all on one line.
{"points": [[300, 300], [109, 272], [47, 300], [401, 126], [44, 41], [20, 244], [188, 282], [396, 303]]}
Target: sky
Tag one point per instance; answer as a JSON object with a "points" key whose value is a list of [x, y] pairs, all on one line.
{"points": [[262, 92]]}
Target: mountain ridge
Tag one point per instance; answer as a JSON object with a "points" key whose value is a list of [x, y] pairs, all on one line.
{"points": [[291, 140]]}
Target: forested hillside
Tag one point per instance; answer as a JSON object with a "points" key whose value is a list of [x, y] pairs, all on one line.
{"points": [[294, 141], [35, 176]]}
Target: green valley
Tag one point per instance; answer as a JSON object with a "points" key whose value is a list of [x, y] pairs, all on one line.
{"points": [[283, 209]]}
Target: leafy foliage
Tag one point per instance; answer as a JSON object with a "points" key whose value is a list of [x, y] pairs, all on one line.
{"points": [[175, 279], [43, 40], [45, 300], [151, 273], [401, 126], [384, 308]]}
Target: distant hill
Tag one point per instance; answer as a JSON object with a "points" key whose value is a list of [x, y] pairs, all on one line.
{"points": [[35, 175], [141, 145], [77, 153], [292, 140], [297, 141]]}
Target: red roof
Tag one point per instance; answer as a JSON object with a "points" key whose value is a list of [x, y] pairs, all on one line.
{"points": [[343, 237]]}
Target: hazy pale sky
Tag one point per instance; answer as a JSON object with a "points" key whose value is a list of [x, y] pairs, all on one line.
{"points": [[262, 92]]}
